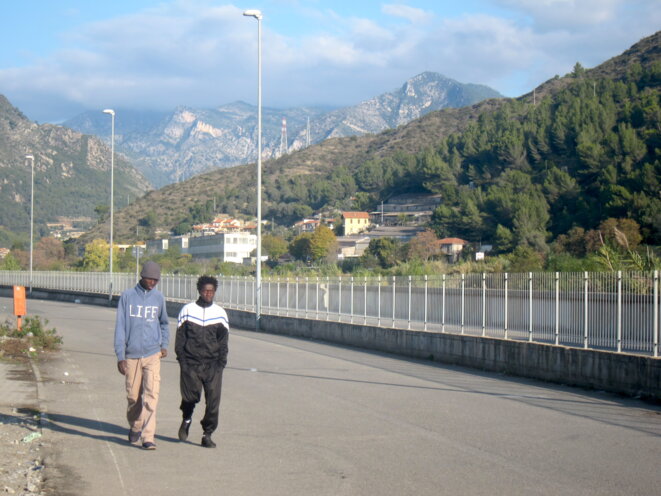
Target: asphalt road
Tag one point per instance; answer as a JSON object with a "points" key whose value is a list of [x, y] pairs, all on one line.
{"points": [[305, 418]]}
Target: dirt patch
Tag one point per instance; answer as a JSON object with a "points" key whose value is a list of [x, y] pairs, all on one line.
{"points": [[22, 452], [13, 349]]}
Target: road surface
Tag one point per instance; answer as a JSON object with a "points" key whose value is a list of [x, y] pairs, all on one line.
{"points": [[305, 418]]}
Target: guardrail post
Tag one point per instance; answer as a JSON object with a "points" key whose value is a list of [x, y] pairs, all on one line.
{"points": [[619, 311]]}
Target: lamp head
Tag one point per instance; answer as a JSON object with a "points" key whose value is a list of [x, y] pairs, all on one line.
{"points": [[257, 14], [109, 111], [29, 157]]}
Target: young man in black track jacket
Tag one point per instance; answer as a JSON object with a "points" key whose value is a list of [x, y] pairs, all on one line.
{"points": [[201, 349]]}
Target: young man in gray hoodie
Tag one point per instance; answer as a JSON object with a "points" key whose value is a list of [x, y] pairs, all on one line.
{"points": [[142, 335]]}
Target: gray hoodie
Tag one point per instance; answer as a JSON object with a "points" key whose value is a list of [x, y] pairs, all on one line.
{"points": [[141, 328]]}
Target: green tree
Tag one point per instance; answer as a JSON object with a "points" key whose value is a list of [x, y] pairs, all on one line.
{"points": [[96, 256], [323, 243], [386, 250], [274, 246], [10, 263], [300, 247]]}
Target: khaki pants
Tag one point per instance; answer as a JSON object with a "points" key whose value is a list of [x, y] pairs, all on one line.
{"points": [[143, 380]]}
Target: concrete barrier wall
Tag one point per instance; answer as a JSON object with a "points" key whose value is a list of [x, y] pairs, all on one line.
{"points": [[631, 375]]}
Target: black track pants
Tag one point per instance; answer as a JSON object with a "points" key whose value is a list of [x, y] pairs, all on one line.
{"points": [[194, 379]]}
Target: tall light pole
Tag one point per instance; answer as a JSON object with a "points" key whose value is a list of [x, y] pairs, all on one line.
{"points": [[112, 186], [31, 159], [257, 14]]}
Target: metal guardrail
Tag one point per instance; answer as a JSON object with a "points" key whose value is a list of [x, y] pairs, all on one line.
{"points": [[605, 311]]}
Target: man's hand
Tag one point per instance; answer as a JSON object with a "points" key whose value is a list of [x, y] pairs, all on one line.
{"points": [[164, 352], [122, 366]]}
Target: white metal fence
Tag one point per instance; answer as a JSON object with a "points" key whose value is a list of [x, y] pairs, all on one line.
{"points": [[610, 311]]}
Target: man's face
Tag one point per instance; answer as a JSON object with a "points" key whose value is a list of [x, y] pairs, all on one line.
{"points": [[148, 283], [207, 293]]}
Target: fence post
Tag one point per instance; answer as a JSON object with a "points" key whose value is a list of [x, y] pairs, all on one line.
{"points": [[443, 309], [328, 297], [231, 290], [394, 282], [484, 304], [316, 303], [378, 304], [585, 307], [409, 314], [530, 306], [277, 296], [351, 301], [287, 298], [655, 304], [506, 308], [339, 299], [463, 300], [307, 288], [426, 304], [365, 301], [557, 308], [619, 311]]}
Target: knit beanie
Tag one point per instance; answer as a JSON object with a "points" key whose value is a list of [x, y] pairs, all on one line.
{"points": [[151, 270]]}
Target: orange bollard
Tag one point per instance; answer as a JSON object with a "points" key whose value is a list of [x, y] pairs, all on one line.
{"points": [[20, 306]]}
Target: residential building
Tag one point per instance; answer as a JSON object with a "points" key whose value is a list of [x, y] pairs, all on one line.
{"points": [[452, 248], [228, 247], [355, 222]]}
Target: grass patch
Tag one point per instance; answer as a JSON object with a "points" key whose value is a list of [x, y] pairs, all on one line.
{"points": [[33, 338]]}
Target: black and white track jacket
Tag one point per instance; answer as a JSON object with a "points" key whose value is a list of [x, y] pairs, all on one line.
{"points": [[202, 334]]}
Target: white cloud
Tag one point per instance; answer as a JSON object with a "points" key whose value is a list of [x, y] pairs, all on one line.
{"points": [[412, 14], [567, 14], [199, 54]]}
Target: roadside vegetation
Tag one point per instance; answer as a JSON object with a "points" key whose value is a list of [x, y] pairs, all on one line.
{"points": [[33, 339]]}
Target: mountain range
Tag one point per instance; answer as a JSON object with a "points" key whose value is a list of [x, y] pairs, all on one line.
{"points": [[172, 146], [71, 173]]}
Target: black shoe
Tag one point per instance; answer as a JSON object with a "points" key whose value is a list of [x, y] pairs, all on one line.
{"points": [[134, 437], [183, 429], [207, 442], [148, 446]]}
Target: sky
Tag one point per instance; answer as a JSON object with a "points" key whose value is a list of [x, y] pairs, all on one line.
{"points": [[60, 58]]}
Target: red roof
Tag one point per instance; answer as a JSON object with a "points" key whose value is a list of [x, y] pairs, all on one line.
{"points": [[452, 241], [355, 215]]}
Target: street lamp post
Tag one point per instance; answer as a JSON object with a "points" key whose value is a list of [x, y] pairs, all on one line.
{"points": [[31, 159], [112, 186], [258, 272]]}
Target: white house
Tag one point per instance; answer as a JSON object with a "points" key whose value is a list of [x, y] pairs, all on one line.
{"points": [[228, 247]]}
